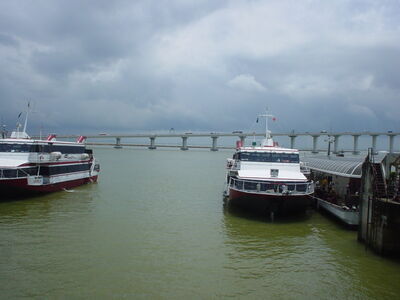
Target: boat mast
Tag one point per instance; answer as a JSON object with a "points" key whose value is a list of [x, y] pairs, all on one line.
{"points": [[21, 135], [3, 129], [26, 117], [268, 139]]}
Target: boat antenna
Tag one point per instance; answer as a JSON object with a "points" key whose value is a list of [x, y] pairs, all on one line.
{"points": [[3, 129], [266, 116], [23, 134], [26, 117]]}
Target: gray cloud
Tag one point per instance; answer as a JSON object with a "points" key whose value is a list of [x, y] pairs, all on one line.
{"points": [[7, 40], [200, 65]]}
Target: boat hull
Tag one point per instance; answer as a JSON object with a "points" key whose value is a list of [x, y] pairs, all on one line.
{"points": [[20, 186], [348, 217], [264, 203]]}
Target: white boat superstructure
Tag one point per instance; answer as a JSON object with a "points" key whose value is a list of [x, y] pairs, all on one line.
{"points": [[267, 174], [44, 165]]}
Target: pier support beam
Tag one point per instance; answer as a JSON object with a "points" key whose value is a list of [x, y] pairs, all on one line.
{"points": [[355, 145], [117, 143], [214, 143], [315, 143], [336, 143], [374, 142], [184, 143], [152, 143], [292, 140], [391, 141]]}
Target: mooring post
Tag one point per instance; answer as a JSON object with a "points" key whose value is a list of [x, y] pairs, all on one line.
{"points": [[214, 143], [152, 143], [117, 143], [315, 143], [184, 143]]}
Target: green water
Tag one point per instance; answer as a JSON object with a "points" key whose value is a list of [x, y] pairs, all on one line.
{"points": [[154, 227]]}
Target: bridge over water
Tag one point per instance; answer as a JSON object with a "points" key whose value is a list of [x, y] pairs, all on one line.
{"points": [[333, 137]]}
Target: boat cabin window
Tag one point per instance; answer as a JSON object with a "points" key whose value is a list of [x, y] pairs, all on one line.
{"points": [[60, 148], [41, 148], [16, 148], [55, 170], [268, 157]]}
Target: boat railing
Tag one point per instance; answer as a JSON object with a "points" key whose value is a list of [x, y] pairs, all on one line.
{"points": [[272, 188]]}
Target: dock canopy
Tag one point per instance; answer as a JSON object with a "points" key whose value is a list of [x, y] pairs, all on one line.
{"points": [[341, 166]]}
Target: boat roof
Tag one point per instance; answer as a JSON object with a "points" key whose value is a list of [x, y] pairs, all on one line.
{"points": [[33, 141], [267, 149], [342, 166], [12, 162]]}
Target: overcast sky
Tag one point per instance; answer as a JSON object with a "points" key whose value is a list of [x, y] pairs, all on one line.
{"points": [[201, 65]]}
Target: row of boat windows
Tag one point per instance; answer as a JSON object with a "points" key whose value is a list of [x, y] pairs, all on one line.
{"points": [[44, 170], [64, 169], [253, 186], [267, 157], [41, 148]]}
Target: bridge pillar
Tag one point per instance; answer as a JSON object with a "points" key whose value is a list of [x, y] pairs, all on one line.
{"points": [[214, 143], [355, 144], [374, 142], [117, 143], [336, 144], [184, 143], [391, 141], [152, 143], [315, 143], [242, 139], [292, 141]]}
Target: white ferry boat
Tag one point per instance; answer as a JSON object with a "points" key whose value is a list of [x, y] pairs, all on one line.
{"points": [[36, 165], [267, 177]]}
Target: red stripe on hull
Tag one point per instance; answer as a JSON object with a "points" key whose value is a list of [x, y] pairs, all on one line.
{"points": [[18, 185], [279, 204]]}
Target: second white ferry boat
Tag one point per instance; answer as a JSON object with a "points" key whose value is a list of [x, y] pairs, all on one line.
{"points": [[267, 177], [35, 165]]}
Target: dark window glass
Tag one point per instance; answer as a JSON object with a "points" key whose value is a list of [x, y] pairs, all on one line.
{"points": [[44, 171], [55, 170], [250, 186], [10, 173], [268, 157], [59, 148], [68, 149], [27, 171], [301, 187], [16, 147]]}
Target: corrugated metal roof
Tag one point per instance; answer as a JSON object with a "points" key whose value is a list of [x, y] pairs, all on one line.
{"points": [[341, 166]]}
